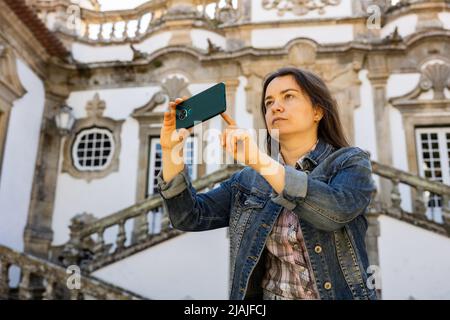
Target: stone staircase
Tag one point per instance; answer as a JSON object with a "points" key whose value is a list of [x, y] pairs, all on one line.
{"points": [[88, 248], [41, 279]]}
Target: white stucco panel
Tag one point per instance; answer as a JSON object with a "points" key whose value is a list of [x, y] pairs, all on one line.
{"points": [[401, 84], [445, 18], [89, 54], [19, 160], [413, 262], [194, 265], [154, 43], [278, 37]]}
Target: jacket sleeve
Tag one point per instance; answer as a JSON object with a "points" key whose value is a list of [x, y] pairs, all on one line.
{"points": [[329, 206], [192, 211]]}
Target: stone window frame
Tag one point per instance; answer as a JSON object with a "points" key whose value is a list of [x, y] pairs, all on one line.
{"points": [[94, 119], [77, 142], [418, 113], [150, 122], [148, 128], [411, 122], [11, 89]]}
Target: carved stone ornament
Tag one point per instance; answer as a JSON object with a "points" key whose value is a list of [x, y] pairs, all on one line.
{"points": [[171, 88], [94, 119], [175, 87], [437, 77], [227, 14], [298, 7]]}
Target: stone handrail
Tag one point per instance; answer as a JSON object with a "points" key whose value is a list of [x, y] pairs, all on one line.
{"points": [[53, 279], [422, 189], [84, 232], [107, 26]]}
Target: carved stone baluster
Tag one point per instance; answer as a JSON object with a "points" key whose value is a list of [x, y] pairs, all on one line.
{"points": [[99, 247], [165, 222], [396, 199], [420, 203], [113, 31], [125, 30], [4, 279], [100, 32], [24, 286], [49, 293], [143, 227], [446, 211], [121, 236], [109, 35], [87, 31], [138, 28]]}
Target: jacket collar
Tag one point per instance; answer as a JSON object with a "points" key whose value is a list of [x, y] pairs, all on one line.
{"points": [[322, 150], [315, 156]]}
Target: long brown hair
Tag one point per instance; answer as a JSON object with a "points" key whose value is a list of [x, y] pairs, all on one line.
{"points": [[330, 127]]}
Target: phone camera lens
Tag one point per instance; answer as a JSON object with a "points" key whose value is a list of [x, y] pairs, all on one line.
{"points": [[182, 114]]}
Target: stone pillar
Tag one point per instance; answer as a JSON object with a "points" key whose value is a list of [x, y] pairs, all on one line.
{"points": [[231, 87], [378, 77], [253, 90], [373, 233], [38, 232]]}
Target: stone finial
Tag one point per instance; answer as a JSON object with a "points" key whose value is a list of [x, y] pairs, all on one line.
{"points": [[95, 107], [137, 54], [83, 219], [394, 37], [76, 251], [212, 48]]}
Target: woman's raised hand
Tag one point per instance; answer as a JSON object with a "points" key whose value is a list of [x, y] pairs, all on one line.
{"points": [[239, 143], [169, 136]]}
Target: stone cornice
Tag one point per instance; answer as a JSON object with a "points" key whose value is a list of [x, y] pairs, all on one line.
{"points": [[21, 40]]}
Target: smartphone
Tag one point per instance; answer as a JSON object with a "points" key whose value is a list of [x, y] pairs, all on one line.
{"points": [[201, 107]]}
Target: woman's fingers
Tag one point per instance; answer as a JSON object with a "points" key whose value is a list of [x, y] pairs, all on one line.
{"points": [[169, 120], [183, 134], [232, 138], [170, 116], [229, 120]]}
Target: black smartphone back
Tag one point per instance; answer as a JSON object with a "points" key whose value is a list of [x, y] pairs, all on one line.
{"points": [[201, 107]]}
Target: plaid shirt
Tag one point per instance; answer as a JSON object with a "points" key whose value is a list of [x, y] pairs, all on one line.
{"points": [[288, 272]]}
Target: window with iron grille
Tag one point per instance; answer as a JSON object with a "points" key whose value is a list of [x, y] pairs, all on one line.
{"points": [[93, 149]]}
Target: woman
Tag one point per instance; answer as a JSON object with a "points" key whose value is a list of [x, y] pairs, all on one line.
{"points": [[296, 216]]}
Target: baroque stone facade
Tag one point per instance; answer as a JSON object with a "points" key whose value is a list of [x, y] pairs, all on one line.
{"points": [[179, 44]]}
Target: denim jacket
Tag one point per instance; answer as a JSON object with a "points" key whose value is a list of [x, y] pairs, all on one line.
{"points": [[330, 197]]}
